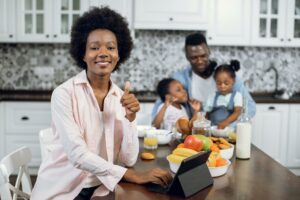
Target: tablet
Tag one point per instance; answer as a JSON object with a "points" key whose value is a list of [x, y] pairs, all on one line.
{"points": [[192, 176]]}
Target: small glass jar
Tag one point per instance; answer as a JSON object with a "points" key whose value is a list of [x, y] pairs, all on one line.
{"points": [[201, 125]]}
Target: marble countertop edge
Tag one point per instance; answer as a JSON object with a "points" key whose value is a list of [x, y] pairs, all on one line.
{"points": [[143, 96]]}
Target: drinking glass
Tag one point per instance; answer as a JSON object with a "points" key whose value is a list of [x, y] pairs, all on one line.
{"points": [[150, 140]]}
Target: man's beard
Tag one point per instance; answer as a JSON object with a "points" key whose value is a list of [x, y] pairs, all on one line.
{"points": [[208, 71]]}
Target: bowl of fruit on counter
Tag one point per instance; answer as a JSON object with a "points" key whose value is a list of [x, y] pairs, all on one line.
{"points": [[192, 145], [217, 165], [222, 146]]}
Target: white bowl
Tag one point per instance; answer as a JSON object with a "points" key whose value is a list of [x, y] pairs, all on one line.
{"points": [[174, 167], [227, 153], [143, 128], [219, 171], [163, 136], [220, 132]]}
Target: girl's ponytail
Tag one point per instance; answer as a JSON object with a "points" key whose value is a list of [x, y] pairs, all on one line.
{"points": [[235, 64]]}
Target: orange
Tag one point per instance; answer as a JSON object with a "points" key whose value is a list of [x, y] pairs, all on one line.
{"points": [[147, 156], [221, 162], [181, 145], [214, 148]]}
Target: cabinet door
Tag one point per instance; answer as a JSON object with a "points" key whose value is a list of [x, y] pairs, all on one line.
{"points": [[21, 124], [124, 7], [270, 130], [13, 142], [65, 12], [268, 25], [293, 152], [293, 22], [7, 19], [229, 22], [171, 14], [26, 118], [34, 20]]}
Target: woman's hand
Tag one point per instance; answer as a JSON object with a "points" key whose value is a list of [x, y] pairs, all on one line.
{"points": [[130, 103], [195, 104], [156, 175]]}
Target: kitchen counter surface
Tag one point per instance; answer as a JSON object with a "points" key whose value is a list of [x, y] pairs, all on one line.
{"points": [[260, 177], [34, 95]]}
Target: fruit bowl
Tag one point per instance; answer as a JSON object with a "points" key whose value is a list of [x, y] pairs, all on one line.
{"points": [[219, 171], [227, 153], [173, 166]]}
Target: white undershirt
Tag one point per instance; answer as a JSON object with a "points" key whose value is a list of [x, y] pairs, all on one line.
{"points": [[91, 179], [171, 115], [202, 88]]}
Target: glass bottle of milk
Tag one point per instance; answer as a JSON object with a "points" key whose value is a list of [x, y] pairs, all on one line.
{"points": [[243, 133]]}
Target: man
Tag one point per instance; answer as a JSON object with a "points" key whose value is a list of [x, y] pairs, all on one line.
{"points": [[197, 77]]}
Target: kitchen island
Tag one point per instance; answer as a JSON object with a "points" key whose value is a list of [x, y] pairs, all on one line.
{"points": [[260, 177]]}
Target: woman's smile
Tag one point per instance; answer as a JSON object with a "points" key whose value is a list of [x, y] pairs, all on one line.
{"points": [[102, 64]]}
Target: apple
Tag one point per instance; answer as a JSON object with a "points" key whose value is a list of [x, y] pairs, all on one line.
{"points": [[206, 141], [194, 143]]}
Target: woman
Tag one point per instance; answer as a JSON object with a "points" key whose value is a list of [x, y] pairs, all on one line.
{"points": [[92, 118]]}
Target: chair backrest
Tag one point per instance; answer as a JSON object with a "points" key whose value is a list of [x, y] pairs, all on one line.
{"points": [[46, 138], [16, 161]]}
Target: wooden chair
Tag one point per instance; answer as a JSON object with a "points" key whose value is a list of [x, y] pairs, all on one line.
{"points": [[13, 162], [46, 138]]}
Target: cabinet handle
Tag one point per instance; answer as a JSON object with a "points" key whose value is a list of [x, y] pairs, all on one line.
{"points": [[11, 35], [24, 118], [54, 35], [289, 39], [281, 39], [171, 18], [209, 38], [47, 36], [271, 108]]}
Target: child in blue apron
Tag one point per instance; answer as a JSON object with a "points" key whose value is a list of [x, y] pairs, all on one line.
{"points": [[225, 105]]}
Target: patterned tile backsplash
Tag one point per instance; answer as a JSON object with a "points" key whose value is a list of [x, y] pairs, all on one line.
{"points": [[156, 55]]}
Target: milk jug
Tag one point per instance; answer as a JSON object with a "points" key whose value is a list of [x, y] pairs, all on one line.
{"points": [[243, 135]]}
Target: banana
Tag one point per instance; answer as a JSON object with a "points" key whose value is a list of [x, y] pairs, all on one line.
{"points": [[185, 152], [175, 158]]}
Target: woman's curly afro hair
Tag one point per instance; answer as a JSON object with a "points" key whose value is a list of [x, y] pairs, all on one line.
{"points": [[100, 18]]}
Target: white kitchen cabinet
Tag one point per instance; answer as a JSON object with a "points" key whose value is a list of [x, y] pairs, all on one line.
{"points": [[47, 20], [276, 23], [22, 122], [293, 23], [124, 7], [229, 22], [293, 147], [7, 16], [171, 14], [270, 130]]}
